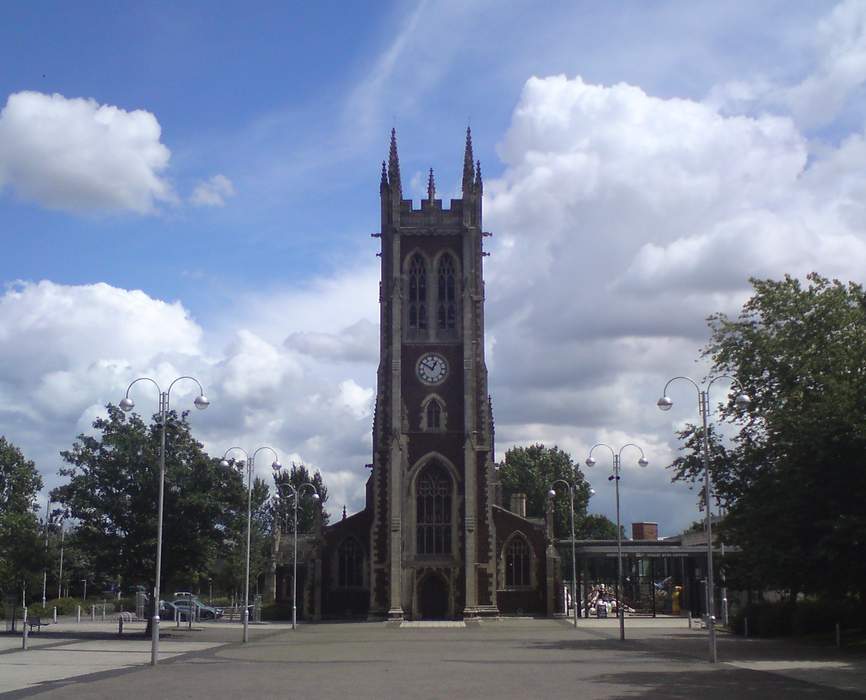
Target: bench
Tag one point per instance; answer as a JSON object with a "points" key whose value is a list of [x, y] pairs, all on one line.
{"points": [[35, 622]]}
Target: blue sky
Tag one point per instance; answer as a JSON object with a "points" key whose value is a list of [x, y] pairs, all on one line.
{"points": [[641, 160]]}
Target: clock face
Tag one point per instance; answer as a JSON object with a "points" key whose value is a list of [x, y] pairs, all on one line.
{"points": [[432, 368]]}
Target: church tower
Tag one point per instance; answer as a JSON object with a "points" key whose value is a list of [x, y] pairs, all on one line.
{"points": [[432, 540]]}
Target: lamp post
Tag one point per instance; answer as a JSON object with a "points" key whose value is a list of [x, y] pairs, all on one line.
{"points": [[551, 495], [45, 569], [250, 464], [296, 493], [742, 402], [60, 573], [617, 459], [126, 405]]}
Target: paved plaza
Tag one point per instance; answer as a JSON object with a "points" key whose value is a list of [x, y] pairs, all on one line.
{"points": [[507, 658]]}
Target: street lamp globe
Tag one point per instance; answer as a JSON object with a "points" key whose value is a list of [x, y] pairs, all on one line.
{"points": [[201, 402], [276, 466], [224, 463], [665, 403], [590, 462], [126, 404], [742, 401], [643, 461], [315, 496], [592, 492], [551, 493]]}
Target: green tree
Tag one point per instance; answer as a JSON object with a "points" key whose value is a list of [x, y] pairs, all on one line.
{"points": [[21, 551], [282, 508], [230, 571], [794, 478], [532, 470], [594, 526], [112, 493]]}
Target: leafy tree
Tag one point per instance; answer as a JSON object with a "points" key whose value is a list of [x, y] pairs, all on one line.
{"points": [[594, 526], [112, 492], [282, 510], [794, 479], [532, 470], [21, 551], [229, 574]]}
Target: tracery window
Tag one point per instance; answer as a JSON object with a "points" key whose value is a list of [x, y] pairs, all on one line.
{"points": [[433, 511], [517, 562], [417, 302], [446, 300], [350, 562]]}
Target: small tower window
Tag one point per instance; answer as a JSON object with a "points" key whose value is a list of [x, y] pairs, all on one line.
{"points": [[417, 295], [446, 309], [517, 561], [434, 415]]}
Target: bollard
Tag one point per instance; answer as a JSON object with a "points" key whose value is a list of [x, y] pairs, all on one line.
{"points": [[24, 635], [93, 613], [690, 619], [55, 614], [103, 613], [745, 626], [120, 626], [78, 613], [838, 636]]}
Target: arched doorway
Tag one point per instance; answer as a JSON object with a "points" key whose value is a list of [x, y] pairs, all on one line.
{"points": [[433, 598]]}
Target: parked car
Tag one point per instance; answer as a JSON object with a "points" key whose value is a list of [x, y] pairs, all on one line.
{"points": [[167, 610], [193, 605]]}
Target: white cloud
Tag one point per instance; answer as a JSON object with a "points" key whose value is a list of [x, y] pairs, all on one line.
{"points": [[622, 220], [66, 351], [77, 155], [212, 192]]}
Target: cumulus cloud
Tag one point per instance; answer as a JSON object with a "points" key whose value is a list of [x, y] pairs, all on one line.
{"points": [[67, 350], [622, 220], [212, 192], [356, 343], [77, 155]]}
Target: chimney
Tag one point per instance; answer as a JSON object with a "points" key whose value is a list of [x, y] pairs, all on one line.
{"points": [[518, 504], [644, 531]]}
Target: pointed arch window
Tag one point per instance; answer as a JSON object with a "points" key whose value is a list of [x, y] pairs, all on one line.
{"points": [[433, 511], [434, 415], [417, 302], [446, 300], [350, 563], [518, 559]]}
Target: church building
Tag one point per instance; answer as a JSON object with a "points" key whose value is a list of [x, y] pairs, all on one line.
{"points": [[433, 541]]}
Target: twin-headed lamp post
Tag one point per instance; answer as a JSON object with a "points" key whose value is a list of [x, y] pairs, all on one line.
{"points": [[250, 464], [742, 402], [617, 459], [126, 405], [296, 493]]}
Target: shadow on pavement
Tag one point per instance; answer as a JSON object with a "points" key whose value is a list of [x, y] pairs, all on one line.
{"points": [[717, 684]]}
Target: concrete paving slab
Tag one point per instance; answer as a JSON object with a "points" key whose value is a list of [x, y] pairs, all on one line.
{"points": [[57, 661]]}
